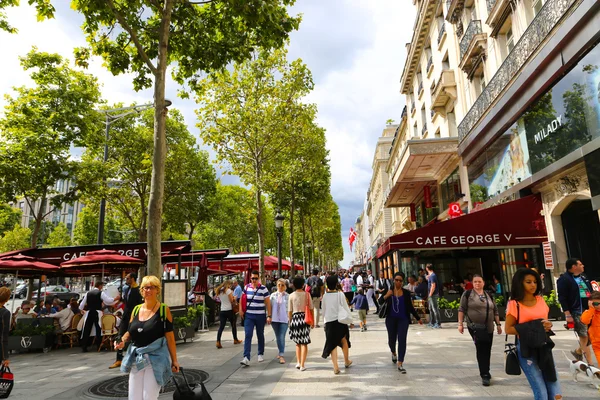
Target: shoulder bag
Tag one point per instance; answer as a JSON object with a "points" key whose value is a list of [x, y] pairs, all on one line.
{"points": [[384, 309], [7, 381], [511, 365], [344, 316], [480, 331], [309, 319]]}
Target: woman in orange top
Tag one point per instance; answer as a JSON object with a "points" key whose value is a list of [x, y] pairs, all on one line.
{"points": [[592, 316], [526, 290]]}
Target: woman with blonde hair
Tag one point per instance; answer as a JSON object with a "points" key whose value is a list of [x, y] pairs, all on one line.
{"points": [[152, 358], [225, 294]]}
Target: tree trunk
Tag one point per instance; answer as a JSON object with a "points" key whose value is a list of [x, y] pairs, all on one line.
{"points": [[303, 243], [191, 235], [312, 237], [292, 258], [160, 147], [261, 233]]}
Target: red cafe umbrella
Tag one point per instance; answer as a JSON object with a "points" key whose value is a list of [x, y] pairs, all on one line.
{"points": [[247, 279], [101, 258], [202, 280], [27, 266]]}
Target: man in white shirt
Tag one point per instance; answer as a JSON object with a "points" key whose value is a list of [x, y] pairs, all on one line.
{"points": [[64, 316], [94, 299]]}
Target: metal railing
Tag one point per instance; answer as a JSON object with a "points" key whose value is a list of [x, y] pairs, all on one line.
{"points": [[403, 113], [429, 63], [473, 29], [424, 130], [441, 32], [420, 88], [490, 4]]}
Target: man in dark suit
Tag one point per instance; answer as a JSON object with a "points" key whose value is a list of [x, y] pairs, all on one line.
{"points": [[131, 297]]}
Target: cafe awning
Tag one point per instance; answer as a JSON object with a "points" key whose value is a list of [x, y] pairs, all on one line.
{"points": [[515, 224]]}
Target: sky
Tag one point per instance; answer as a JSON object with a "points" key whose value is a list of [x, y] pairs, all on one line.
{"points": [[354, 48]]}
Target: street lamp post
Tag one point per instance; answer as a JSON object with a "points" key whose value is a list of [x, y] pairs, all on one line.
{"points": [[279, 228], [309, 264], [110, 119]]}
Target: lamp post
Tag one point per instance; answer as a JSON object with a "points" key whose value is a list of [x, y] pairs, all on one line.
{"points": [[309, 264], [279, 229], [110, 119]]}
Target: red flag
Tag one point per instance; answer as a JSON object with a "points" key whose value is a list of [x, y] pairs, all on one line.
{"points": [[351, 237]]}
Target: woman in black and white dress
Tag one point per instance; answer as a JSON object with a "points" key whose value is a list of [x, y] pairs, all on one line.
{"points": [[299, 329]]}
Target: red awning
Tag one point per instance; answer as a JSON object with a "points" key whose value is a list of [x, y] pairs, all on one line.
{"points": [[514, 224]]}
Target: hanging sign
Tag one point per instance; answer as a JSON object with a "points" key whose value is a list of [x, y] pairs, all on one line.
{"points": [[413, 212], [548, 254], [454, 210], [427, 195]]}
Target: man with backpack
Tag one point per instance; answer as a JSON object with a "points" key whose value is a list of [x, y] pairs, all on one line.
{"points": [[317, 289]]}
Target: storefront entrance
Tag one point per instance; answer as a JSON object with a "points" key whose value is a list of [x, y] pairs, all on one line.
{"points": [[582, 235]]}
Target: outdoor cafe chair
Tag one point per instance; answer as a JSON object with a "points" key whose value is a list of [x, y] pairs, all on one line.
{"points": [[72, 334], [108, 326]]}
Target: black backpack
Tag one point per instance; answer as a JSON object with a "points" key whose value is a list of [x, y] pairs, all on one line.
{"points": [[315, 288]]}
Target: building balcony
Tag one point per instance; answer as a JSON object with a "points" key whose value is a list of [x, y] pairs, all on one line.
{"points": [[473, 47], [441, 35], [413, 108], [535, 34], [444, 90], [424, 130], [422, 162], [403, 115], [420, 90], [497, 11], [455, 9], [429, 66], [397, 227]]}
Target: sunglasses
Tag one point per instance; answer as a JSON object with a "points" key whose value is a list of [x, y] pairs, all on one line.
{"points": [[148, 287], [596, 304], [398, 280], [254, 279]]}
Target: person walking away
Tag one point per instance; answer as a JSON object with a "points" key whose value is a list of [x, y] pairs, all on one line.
{"points": [[400, 308], [433, 297], [371, 291], [225, 295], [151, 358], [527, 317], [337, 333], [347, 284], [258, 303], [279, 317], [591, 317], [480, 312], [361, 304], [131, 297], [237, 290], [299, 329], [93, 300], [317, 289], [574, 289], [5, 319]]}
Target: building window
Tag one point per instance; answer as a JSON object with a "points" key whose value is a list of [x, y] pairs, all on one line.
{"points": [[537, 6], [510, 40], [416, 132], [450, 189]]}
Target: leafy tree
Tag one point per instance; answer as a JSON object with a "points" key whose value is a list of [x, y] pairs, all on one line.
{"points": [[37, 130], [144, 37], [17, 238], [190, 188], [479, 193], [9, 217], [59, 236], [44, 10], [244, 114], [86, 227]]}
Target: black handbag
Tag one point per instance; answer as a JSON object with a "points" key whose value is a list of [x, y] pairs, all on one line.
{"points": [[511, 365], [7, 381], [190, 392], [384, 309]]}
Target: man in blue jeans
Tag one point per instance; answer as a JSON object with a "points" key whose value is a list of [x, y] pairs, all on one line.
{"points": [[432, 299], [255, 315]]}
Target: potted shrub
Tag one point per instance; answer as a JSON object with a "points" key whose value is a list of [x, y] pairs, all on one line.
{"points": [[555, 310], [448, 310], [501, 305], [185, 326], [31, 337]]}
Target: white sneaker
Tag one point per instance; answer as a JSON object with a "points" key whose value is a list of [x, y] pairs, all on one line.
{"points": [[260, 358], [245, 362]]}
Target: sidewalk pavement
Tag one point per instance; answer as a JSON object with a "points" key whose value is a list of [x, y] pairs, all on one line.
{"points": [[441, 364]]}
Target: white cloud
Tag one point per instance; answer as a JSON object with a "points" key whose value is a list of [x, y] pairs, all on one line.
{"points": [[354, 48]]}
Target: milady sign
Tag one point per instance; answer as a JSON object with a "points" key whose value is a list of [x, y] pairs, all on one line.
{"points": [[489, 239]]}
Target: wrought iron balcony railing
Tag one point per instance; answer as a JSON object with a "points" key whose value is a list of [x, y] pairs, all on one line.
{"points": [[429, 63], [441, 32], [403, 113], [473, 29]]}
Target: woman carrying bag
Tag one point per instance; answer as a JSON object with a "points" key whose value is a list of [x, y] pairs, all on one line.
{"points": [[337, 318], [398, 309], [480, 312], [300, 309], [279, 316], [227, 313]]}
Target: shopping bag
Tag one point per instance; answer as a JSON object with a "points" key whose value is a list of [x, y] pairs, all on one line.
{"points": [[309, 318], [7, 381]]}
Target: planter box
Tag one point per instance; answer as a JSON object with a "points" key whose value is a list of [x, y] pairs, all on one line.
{"points": [[502, 312], [449, 315], [555, 313], [184, 334], [38, 342]]}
